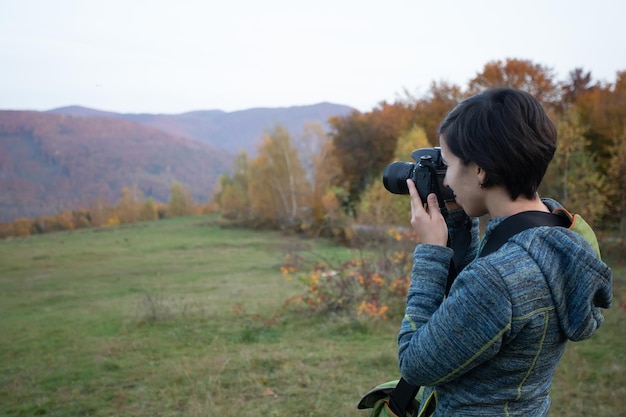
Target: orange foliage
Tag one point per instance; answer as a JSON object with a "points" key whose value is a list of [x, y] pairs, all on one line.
{"points": [[22, 227], [358, 286], [522, 74], [365, 143], [99, 215]]}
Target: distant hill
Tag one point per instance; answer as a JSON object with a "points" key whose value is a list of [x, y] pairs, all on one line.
{"points": [[68, 157], [231, 131], [52, 162]]}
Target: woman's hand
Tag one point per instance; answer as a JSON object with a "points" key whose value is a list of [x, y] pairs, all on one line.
{"points": [[427, 222]]}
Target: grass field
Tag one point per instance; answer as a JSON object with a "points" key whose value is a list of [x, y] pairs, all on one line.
{"points": [[177, 318]]}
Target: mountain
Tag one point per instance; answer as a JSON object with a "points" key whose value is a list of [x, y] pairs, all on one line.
{"points": [[67, 157], [231, 131], [52, 162]]}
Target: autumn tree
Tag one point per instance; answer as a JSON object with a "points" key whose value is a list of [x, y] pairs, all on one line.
{"points": [[81, 218], [521, 74], [380, 207], [102, 214], [617, 174], [130, 204], [232, 192], [148, 210], [61, 221], [278, 188], [181, 202], [573, 177], [365, 142], [578, 84], [321, 165], [292, 186], [22, 227], [603, 111], [430, 110]]}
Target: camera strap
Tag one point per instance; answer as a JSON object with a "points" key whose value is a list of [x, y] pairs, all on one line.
{"points": [[403, 394], [517, 223], [459, 244]]}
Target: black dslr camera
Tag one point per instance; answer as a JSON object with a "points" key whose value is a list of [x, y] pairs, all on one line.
{"points": [[427, 174]]}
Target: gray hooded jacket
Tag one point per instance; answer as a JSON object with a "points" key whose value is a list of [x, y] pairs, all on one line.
{"points": [[491, 347]]}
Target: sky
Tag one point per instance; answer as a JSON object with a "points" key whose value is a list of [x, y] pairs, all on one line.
{"points": [[162, 56]]}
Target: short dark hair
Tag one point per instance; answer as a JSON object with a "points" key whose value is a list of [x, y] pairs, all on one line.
{"points": [[507, 133]]}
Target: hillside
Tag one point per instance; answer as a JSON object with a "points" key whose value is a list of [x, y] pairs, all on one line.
{"points": [[231, 131], [66, 158], [53, 162]]}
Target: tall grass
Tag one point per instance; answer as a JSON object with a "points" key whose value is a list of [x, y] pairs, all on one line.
{"points": [[183, 318]]}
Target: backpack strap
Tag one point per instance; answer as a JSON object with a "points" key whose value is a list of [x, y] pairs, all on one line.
{"points": [[518, 223], [402, 396], [580, 226]]}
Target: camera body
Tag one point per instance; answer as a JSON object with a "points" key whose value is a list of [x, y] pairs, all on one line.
{"points": [[427, 173]]}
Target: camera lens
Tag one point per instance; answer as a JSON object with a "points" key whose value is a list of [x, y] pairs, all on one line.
{"points": [[395, 176]]}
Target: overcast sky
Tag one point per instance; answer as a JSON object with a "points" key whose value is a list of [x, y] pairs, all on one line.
{"points": [[162, 56]]}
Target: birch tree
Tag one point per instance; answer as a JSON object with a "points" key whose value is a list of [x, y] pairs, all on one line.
{"points": [[278, 186], [319, 160], [129, 204]]}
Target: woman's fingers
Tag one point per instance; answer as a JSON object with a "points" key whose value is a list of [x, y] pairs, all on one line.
{"points": [[427, 222]]}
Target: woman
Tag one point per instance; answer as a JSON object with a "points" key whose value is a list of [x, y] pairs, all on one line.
{"points": [[491, 346]]}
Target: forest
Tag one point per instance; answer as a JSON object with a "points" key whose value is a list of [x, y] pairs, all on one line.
{"points": [[322, 183]]}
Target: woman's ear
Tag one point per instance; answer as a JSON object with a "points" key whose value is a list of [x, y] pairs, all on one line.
{"points": [[481, 176]]}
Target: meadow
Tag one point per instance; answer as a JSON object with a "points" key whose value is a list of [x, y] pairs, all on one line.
{"points": [[184, 318]]}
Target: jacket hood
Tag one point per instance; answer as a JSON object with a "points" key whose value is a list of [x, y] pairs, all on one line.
{"points": [[580, 283]]}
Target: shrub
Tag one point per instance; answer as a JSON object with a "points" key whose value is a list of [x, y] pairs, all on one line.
{"points": [[375, 284]]}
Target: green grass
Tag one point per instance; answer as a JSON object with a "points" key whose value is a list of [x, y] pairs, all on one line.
{"points": [[176, 318]]}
